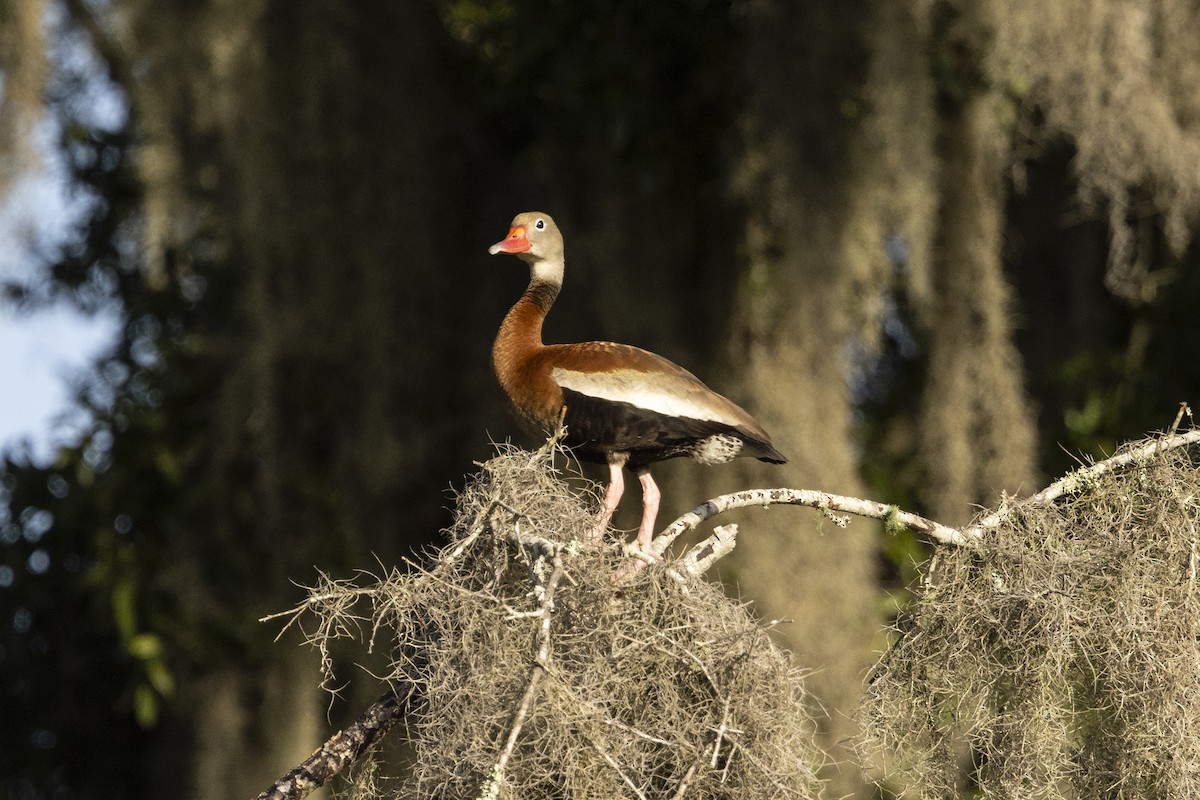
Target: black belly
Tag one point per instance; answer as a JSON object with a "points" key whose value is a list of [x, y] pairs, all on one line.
{"points": [[597, 427]]}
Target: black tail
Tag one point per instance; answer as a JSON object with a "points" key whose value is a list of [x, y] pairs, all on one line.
{"points": [[765, 452]]}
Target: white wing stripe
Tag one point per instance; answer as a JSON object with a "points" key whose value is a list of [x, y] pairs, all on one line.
{"points": [[631, 386]]}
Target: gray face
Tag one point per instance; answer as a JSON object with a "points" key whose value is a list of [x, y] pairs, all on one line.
{"points": [[535, 239]]}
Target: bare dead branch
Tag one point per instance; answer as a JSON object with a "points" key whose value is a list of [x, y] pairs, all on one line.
{"points": [[686, 782], [700, 558], [1184, 408], [342, 749], [1081, 479], [965, 537], [612, 762], [541, 661], [813, 499]]}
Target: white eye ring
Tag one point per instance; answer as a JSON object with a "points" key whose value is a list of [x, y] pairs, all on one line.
{"points": [[541, 223]]}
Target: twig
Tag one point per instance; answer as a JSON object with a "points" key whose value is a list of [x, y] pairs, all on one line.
{"points": [[536, 544], [931, 570], [721, 729], [1183, 409], [602, 713], [482, 522], [686, 781], [612, 763], [541, 661], [1082, 478], [343, 748], [700, 558], [616, 723], [317, 599]]}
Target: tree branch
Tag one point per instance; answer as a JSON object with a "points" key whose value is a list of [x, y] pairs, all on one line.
{"points": [[541, 660], [964, 537], [806, 497], [1083, 478], [346, 746], [343, 748], [686, 782], [706, 553]]}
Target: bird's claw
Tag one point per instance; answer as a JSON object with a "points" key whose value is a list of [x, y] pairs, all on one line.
{"points": [[643, 552]]}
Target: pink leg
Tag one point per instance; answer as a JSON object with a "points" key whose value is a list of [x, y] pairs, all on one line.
{"points": [[612, 496], [650, 498]]}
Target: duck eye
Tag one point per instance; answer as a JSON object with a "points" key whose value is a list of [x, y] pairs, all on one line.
{"points": [[540, 224]]}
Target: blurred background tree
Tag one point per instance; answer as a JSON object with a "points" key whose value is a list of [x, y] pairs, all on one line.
{"points": [[935, 247]]}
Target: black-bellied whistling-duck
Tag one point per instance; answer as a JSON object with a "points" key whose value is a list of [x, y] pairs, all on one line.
{"points": [[624, 406]]}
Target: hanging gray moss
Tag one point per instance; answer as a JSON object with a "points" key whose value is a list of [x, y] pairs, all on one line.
{"points": [[1060, 659], [655, 681]]}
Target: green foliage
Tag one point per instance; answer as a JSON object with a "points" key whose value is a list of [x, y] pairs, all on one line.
{"points": [[80, 605], [108, 615]]}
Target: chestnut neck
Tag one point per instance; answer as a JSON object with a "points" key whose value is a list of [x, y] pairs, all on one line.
{"points": [[521, 331]]}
